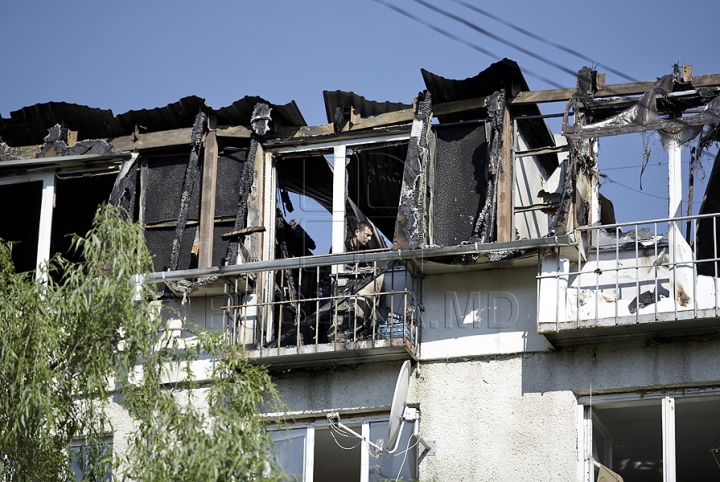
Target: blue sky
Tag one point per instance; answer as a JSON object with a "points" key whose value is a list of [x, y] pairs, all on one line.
{"points": [[142, 54]]}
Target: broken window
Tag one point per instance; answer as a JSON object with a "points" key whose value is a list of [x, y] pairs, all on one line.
{"points": [[20, 221], [42, 213], [655, 437], [336, 188]]}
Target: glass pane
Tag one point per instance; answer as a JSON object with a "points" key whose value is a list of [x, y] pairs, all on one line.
{"points": [[400, 465], [636, 434], [697, 436], [290, 451], [337, 456]]}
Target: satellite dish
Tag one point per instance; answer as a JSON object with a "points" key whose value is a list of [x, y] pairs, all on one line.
{"points": [[398, 407]]}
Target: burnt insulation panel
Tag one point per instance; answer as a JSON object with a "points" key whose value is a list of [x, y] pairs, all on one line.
{"points": [[374, 183], [159, 242], [164, 189], [460, 182], [228, 183]]}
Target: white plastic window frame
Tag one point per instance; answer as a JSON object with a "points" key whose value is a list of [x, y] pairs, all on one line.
{"points": [[323, 424], [339, 150], [667, 399], [47, 205]]}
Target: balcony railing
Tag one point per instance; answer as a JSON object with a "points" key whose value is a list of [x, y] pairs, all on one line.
{"points": [[633, 274], [326, 311]]}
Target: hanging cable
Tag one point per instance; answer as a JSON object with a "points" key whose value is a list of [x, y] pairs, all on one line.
{"points": [[407, 449], [498, 38], [543, 40], [635, 190], [463, 41]]}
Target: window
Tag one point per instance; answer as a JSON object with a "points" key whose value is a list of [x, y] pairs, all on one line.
{"points": [[42, 212], [657, 437], [101, 453], [26, 217], [315, 452]]}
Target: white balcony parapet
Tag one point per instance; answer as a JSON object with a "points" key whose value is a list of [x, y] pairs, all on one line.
{"points": [[633, 275]]}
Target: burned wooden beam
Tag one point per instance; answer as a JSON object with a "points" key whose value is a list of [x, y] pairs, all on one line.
{"points": [[207, 202], [188, 187], [505, 229], [634, 88], [485, 226], [124, 189], [410, 226], [237, 233]]}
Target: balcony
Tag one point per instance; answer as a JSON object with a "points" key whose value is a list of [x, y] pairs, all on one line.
{"points": [[335, 308], [633, 278]]}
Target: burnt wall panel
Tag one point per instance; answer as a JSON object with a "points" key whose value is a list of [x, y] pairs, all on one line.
{"points": [[220, 245], [461, 159], [159, 242], [164, 189], [228, 183]]}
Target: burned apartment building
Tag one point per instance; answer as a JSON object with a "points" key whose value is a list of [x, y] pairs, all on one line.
{"points": [[545, 339]]}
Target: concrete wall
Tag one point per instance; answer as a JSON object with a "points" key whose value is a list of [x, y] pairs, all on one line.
{"points": [[487, 428], [477, 313]]}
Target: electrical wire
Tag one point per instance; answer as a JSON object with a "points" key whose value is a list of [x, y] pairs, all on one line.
{"points": [[636, 190], [407, 449], [333, 429], [545, 41], [473, 46], [498, 38]]}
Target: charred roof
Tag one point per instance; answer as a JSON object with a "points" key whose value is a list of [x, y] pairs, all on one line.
{"points": [[29, 125]]}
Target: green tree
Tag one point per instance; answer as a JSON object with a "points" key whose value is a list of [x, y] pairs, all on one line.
{"points": [[88, 332]]}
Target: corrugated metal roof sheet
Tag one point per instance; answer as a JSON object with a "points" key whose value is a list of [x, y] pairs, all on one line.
{"points": [[29, 125], [504, 74], [364, 107]]}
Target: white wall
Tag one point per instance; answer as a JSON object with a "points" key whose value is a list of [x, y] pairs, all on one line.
{"points": [[480, 313]]}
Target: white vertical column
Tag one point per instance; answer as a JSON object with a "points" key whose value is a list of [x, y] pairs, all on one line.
{"points": [[46, 211], [668, 432], [268, 243], [309, 454], [365, 453], [674, 179], [584, 434], [339, 196], [674, 194]]}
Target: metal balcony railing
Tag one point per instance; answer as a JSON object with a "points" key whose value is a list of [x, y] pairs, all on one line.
{"points": [[325, 309], [633, 273]]}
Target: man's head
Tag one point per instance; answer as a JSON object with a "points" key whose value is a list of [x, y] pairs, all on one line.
{"points": [[363, 234]]}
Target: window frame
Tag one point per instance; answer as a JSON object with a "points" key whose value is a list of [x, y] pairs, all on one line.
{"points": [[667, 398], [411, 416], [47, 206]]}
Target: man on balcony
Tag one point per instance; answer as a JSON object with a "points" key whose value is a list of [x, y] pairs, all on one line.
{"points": [[356, 317]]}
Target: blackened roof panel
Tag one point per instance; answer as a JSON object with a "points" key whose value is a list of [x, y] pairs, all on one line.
{"points": [[505, 74], [362, 106], [29, 125]]}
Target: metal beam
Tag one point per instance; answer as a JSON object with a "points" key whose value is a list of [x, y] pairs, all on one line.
{"points": [[364, 257]]}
